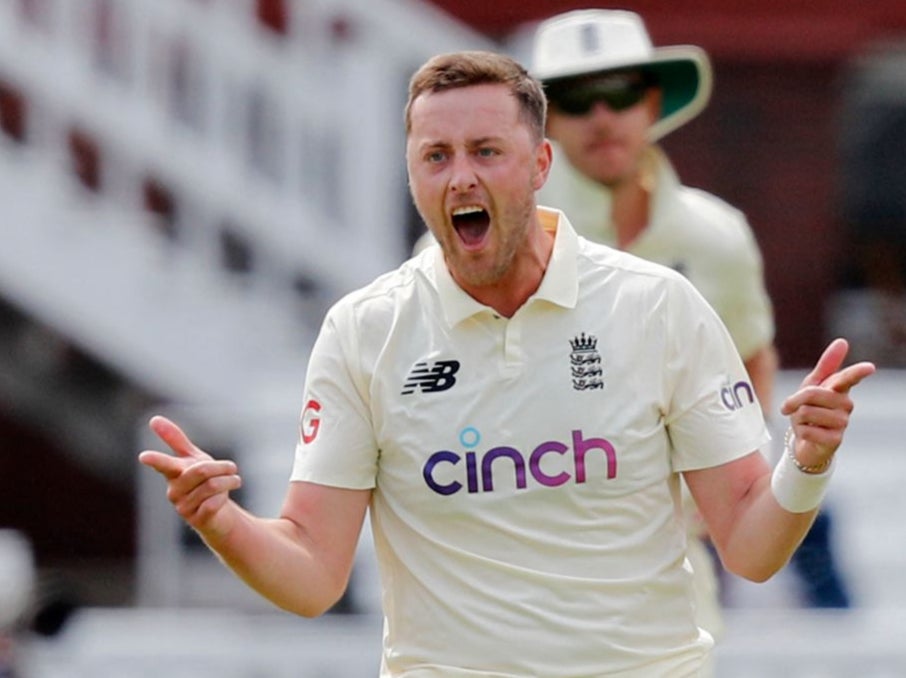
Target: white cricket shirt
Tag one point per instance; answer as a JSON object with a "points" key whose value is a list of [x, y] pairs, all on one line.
{"points": [[525, 509]]}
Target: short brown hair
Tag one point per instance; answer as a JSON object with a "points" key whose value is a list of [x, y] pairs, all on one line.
{"points": [[464, 69]]}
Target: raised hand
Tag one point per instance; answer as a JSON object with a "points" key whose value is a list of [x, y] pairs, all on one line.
{"points": [[198, 485], [819, 411]]}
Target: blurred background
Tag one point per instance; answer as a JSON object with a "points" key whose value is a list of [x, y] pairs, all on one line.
{"points": [[185, 187]]}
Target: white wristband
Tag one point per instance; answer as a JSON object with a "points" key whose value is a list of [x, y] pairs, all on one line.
{"points": [[795, 490]]}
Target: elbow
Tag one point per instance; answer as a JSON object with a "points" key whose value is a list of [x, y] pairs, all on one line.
{"points": [[312, 606], [310, 609], [756, 572], [757, 576], [307, 608]]}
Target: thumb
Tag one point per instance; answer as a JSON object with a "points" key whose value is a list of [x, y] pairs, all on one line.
{"points": [[828, 364], [175, 438]]}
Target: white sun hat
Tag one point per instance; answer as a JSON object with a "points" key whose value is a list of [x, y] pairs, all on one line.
{"points": [[585, 42]]}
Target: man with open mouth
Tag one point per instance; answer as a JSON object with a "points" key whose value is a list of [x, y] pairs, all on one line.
{"points": [[513, 409]]}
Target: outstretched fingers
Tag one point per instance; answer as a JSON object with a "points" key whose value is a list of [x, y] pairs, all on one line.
{"points": [[851, 376], [830, 361], [827, 385], [167, 465], [819, 411], [198, 485], [185, 450], [175, 438]]}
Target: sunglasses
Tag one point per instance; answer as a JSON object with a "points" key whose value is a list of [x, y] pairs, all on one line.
{"points": [[577, 97]]}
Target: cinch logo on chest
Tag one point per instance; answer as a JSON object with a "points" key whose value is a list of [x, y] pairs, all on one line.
{"points": [[443, 474], [437, 377]]}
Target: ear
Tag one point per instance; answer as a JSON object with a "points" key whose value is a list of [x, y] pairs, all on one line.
{"points": [[544, 155]]}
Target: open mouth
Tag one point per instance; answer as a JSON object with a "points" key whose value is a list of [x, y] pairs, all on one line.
{"points": [[472, 224]]}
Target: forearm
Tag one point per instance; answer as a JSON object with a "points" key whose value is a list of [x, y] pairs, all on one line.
{"points": [[754, 535], [277, 559], [763, 536]]}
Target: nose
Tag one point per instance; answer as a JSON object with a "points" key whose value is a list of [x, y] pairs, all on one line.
{"points": [[599, 109], [463, 178]]}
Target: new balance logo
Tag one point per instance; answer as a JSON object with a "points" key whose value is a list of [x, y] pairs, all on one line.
{"points": [[433, 378]]}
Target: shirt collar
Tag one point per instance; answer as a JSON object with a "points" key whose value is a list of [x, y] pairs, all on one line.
{"points": [[560, 284]]}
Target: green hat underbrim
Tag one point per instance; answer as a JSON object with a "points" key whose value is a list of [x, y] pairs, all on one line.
{"points": [[684, 79]]}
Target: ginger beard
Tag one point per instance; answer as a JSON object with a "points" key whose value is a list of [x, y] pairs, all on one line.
{"points": [[480, 247]]}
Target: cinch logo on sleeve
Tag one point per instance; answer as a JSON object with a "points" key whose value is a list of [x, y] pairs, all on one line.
{"points": [[447, 472], [737, 396], [437, 377]]}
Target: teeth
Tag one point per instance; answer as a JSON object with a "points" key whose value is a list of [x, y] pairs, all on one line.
{"points": [[468, 209]]}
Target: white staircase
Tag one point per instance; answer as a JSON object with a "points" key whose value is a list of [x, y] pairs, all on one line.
{"points": [[289, 146]]}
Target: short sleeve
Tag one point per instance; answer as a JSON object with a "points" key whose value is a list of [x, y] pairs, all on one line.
{"points": [[714, 415], [336, 444]]}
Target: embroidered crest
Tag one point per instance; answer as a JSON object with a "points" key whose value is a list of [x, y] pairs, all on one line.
{"points": [[585, 363]]}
